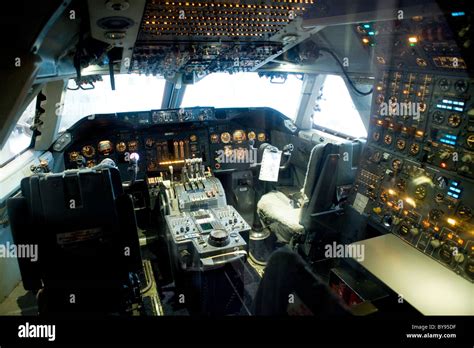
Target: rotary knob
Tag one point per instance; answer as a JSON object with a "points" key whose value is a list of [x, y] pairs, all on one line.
{"points": [[218, 238]]}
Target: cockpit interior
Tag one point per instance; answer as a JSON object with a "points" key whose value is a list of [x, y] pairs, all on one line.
{"points": [[237, 158]]}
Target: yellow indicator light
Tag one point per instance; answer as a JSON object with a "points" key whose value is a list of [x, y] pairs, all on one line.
{"points": [[460, 241], [391, 192], [451, 221], [419, 133], [166, 163], [436, 228], [426, 224], [365, 40], [450, 236], [412, 39], [410, 201]]}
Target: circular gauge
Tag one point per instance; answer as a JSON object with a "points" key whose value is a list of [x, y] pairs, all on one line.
{"points": [[444, 84], [238, 136], [88, 151], [387, 139], [73, 156], [214, 138], [193, 138], [384, 196], [132, 145], [420, 192], [149, 142], [225, 137], [90, 163], [414, 149], [251, 135], [438, 117], [435, 214], [439, 197], [470, 141], [464, 213], [401, 144], [121, 147], [228, 150], [461, 86], [105, 147], [401, 185], [261, 137], [376, 136], [396, 164], [454, 120]]}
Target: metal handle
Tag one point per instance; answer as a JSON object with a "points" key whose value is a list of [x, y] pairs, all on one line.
{"points": [[209, 262]]}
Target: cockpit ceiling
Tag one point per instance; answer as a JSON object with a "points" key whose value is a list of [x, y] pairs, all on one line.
{"points": [[211, 36]]}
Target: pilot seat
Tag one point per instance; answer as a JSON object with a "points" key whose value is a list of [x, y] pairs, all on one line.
{"points": [[88, 249]]}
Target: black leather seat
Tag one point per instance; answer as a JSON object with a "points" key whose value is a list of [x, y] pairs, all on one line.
{"points": [[85, 230]]}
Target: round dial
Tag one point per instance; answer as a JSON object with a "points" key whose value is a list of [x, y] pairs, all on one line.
{"points": [[133, 145], [225, 137], [454, 120], [387, 139], [251, 135], [414, 148], [444, 84], [464, 213], [401, 144], [461, 86], [90, 163], [214, 138], [438, 117], [218, 238], [470, 141], [73, 156], [420, 192], [238, 136], [261, 137], [401, 185], [435, 214], [439, 197], [105, 147], [149, 142], [396, 164], [376, 136], [121, 147], [193, 138], [88, 151]]}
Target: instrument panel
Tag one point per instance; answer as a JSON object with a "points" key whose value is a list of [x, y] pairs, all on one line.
{"points": [[416, 174], [165, 138]]}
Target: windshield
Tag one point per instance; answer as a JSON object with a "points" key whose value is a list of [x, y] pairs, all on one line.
{"points": [[20, 138], [245, 90], [132, 92], [335, 110]]}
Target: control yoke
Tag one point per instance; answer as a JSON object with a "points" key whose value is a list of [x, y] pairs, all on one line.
{"points": [[286, 153]]}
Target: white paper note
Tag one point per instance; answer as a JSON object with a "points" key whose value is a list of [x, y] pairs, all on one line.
{"points": [[270, 165], [360, 203]]}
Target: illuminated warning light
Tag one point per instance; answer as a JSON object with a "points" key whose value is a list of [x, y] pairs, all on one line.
{"points": [[391, 192], [405, 212], [390, 204], [419, 133], [413, 40], [366, 26], [166, 163], [426, 224], [458, 14], [436, 228], [460, 241], [380, 122], [365, 40], [452, 222], [443, 165], [450, 236]]}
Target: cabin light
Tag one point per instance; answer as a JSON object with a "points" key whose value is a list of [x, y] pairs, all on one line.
{"points": [[451, 221]]}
